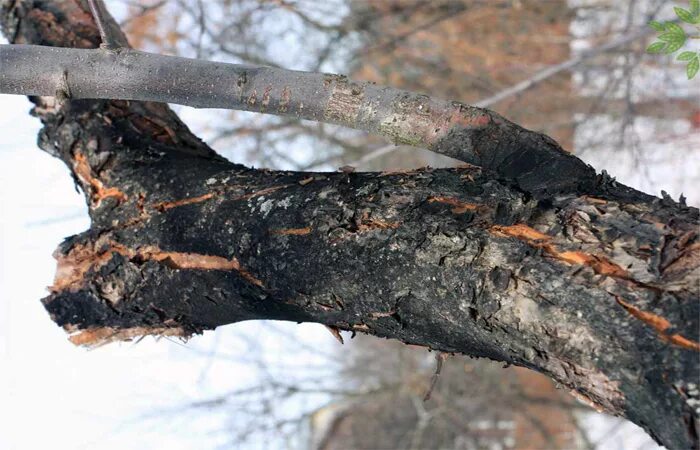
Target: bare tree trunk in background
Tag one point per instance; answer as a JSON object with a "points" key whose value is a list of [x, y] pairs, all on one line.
{"points": [[585, 280]]}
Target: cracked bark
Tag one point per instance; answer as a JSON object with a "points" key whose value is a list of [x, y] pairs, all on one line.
{"points": [[591, 282]]}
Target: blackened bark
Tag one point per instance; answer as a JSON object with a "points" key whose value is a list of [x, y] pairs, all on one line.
{"points": [[595, 286]]}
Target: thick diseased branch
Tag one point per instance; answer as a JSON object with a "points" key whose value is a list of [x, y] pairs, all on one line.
{"points": [[473, 135], [590, 282], [597, 291]]}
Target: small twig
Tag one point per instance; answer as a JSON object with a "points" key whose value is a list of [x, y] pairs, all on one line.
{"points": [[440, 358], [109, 40], [335, 332], [202, 28]]}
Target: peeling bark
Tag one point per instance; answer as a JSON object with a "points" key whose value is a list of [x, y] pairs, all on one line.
{"points": [[592, 283]]}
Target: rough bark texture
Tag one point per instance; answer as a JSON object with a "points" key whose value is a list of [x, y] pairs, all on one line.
{"points": [[595, 285]]}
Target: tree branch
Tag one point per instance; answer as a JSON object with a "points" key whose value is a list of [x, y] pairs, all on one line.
{"points": [[532, 161], [111, 40], [595, 286], [538, 78]]}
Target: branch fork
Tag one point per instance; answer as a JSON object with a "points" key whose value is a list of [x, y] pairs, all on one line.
{"points": [[112, 40]]}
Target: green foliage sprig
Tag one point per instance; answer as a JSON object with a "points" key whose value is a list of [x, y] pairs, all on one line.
{"points": [[672, 37]]}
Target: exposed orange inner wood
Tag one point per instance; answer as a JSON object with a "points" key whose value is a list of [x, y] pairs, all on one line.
{"points": [[659, 324], [162, 206], [599, 264], [99, 191], [522, 232], [96, 337], [681, 341], [72, 267], [292, 231], [595, 200], [459, 207]]}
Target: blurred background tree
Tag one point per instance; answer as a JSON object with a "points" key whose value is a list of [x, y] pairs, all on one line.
{"points": [[574, 69]]}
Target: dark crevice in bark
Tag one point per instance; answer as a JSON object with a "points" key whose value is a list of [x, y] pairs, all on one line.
{"points": [[594, 285]]}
